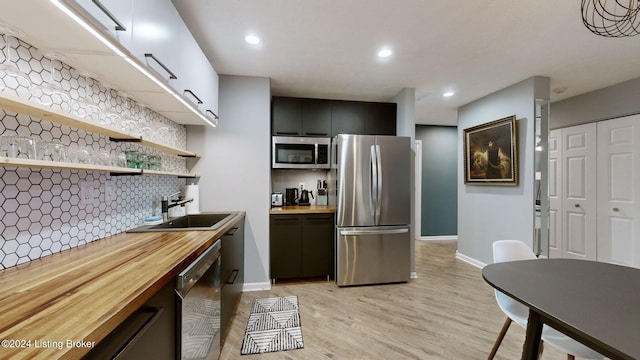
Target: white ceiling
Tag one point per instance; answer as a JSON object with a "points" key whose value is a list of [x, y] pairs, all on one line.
{"points": [[327, 48]]}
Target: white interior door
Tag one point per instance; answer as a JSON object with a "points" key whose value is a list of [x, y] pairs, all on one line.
{"points": [[579, 192], [618, 205], [555, 193]]}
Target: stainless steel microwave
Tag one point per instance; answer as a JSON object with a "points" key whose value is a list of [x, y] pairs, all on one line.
{"points": [[300, 152]]}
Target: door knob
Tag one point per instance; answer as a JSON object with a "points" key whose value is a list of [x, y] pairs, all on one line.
{"points": [[577, 205], [616, 209]]}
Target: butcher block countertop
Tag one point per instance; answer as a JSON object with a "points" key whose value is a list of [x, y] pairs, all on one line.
{"points": [[80, 295], [311, 209]]}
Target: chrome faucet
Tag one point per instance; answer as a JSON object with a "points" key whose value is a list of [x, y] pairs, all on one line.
{"points": [[167, 204]]}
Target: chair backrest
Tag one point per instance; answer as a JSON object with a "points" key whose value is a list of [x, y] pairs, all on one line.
{"points": [[512, 250]]}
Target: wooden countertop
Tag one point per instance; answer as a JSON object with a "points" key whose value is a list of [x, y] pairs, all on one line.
{"points": [[82, 294], [311, 209]]}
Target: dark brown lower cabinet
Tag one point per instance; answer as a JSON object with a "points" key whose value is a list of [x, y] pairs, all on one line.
{"points": [[301, 245], [231, 273]]}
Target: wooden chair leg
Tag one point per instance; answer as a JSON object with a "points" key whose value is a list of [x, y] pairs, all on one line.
{"points": [[501, 335], [570, 357]]}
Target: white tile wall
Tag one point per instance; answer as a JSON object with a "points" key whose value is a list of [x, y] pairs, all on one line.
{"points": [[40, 209]]}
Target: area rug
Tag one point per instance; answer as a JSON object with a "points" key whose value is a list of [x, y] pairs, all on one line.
{"points": [[274, 325]]}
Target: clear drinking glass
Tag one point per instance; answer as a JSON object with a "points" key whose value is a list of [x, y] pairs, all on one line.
{"points": [[133, 159], [9, 67], [51, 151]]}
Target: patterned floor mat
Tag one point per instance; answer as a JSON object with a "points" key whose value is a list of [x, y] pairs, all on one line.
{"points": [[274, 325]]}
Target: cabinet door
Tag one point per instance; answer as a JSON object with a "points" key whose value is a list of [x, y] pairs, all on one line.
{"points": [[209, 89], [347, 117], [316, 117], [285, 236], [317, 248], [555, 193], [380, 118], [189, 65], [618, 202], [155, 30], [286, 117], [110, 15], [232, 273], [579, 192]]}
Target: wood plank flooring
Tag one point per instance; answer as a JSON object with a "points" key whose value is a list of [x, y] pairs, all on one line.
{"points": [[448, 312]]}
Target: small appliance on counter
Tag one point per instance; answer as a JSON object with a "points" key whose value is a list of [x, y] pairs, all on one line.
{"points": [[276, 199], [304, 198], [290, 196]]}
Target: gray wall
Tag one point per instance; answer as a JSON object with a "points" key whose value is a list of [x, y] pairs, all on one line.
{"points": [[235, 168], [490, 213], [606, 103], [439, 174], [406, 126]]}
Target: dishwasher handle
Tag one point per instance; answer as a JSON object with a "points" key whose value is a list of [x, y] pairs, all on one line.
{"points": [[192, 273]]}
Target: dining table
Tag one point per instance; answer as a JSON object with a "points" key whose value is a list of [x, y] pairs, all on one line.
{"points": [[595, 303]]}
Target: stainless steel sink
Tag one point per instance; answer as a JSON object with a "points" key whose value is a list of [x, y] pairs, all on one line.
{"points": [[188, 223]]}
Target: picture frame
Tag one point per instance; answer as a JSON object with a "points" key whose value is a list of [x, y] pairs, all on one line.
{"points": [[491, 153]]}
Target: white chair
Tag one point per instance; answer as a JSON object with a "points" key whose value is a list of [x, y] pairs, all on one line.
{"points": [[513, 250]]}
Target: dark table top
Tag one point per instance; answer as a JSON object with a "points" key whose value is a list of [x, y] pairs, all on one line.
{"points": [[596, 303]]}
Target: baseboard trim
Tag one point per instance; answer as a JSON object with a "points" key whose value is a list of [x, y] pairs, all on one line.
{"points": [[439, 238], [470, 260], [258, 286]]}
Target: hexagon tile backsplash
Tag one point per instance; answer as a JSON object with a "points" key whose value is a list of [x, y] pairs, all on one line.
{"points": [[41, 211]]}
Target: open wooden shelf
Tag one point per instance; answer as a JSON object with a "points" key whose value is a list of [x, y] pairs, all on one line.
{"points": [[20, 105], [114, 170]]}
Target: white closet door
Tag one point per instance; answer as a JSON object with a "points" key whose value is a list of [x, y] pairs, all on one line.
{"points": [[579, 192], [555, 193], [618, 186]]}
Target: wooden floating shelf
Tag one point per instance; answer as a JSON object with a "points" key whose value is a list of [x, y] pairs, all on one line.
{"points": [[20, 105], [114, 170]]}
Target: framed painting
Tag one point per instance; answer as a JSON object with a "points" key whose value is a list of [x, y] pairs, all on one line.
{"points": [[491, 153]]}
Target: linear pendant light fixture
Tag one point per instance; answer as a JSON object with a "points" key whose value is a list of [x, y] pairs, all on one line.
{"points": [[118, 50], [612, 18]]}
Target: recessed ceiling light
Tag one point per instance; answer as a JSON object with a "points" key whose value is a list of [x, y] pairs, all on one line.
{"points": [[385, 53], [253, 39], [448, 94]]}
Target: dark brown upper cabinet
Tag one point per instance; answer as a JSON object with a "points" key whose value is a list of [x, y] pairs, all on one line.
{"points": [[316, 117], [347, 117], [380, 118], [324, 118], [286, 116]]}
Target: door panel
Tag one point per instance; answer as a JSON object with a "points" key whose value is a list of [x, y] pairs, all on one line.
{"points": [[355, 207], [555, 194], [618, 206], [373, 258], [395, 160], [579, 192]]}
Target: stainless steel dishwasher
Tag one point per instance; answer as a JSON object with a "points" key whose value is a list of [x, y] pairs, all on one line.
{"points": [[198, 295]]}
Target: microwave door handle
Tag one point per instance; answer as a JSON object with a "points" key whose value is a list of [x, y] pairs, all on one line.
{"points": [[315, 157]]}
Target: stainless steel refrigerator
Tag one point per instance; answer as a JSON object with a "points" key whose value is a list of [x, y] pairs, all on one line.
{"points": [[370, 176]]}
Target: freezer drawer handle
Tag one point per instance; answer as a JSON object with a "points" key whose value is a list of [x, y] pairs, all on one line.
{"points": [[373, 232]]}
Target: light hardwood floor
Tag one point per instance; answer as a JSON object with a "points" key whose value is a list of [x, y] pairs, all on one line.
{"points": [[448, 312]]}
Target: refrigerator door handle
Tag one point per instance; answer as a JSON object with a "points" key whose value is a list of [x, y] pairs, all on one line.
{"points": [[373, 182], [379, 185], [374, 232]]}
